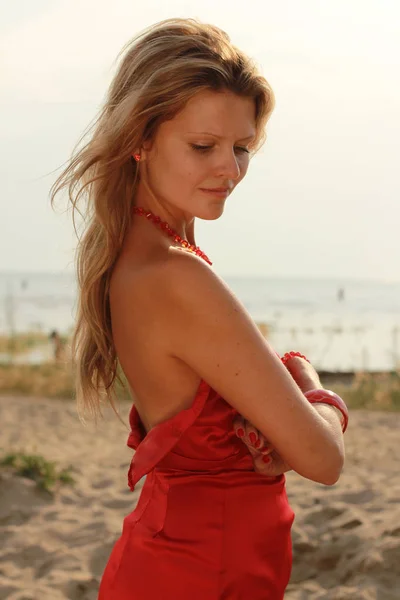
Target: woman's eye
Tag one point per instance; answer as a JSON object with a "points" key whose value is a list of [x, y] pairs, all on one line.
{"points": [[200, 148], [244, 150]]}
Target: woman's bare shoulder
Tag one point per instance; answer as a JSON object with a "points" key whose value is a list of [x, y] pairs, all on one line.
{"points": [[188, 275], [170, 275]]}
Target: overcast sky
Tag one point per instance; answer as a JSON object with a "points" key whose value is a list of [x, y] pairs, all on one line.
{"points": [[322, 198]]}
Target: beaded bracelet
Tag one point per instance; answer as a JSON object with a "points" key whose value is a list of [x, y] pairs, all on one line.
{"points": [[290, 355]]}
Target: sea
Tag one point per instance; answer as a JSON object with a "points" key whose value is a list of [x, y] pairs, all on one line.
{"points": [[340, 325]]}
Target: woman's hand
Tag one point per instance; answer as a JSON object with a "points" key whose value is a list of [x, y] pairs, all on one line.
{"points": [[304, 374], [276, 466], [266, 460]]}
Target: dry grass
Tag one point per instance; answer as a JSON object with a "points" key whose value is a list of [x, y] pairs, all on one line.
{"points": [[51, 380], [56, 380], [372, 391], [47, 379]]}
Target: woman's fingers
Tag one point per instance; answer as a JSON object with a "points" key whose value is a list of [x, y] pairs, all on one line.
{"points": [[253, 436], [246, 432], [239, 427], [266, 460], [253, 439]]}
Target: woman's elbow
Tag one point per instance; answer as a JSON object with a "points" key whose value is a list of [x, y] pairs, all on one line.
{"points": [[333, 469], [330, 478], [325, 470]]}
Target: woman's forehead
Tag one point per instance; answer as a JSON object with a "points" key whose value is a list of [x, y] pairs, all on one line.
{"points": [[216, 113]]}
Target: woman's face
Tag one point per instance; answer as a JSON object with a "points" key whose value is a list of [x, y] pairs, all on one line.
{"points": [[203, 148]]}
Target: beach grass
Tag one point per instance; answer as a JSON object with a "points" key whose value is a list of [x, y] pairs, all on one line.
{"points": [[56, 379], [47, 379], [372, 391], [36, 467], [52, 380]]}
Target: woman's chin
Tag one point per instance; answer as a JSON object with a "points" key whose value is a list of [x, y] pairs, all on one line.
{"points": [[212, 212]]}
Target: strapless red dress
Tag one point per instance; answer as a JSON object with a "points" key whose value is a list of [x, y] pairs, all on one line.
{"points": [[206, 526]]}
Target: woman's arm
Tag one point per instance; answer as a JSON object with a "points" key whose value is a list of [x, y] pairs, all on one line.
{"points": [[209, 330], [266, 460]]}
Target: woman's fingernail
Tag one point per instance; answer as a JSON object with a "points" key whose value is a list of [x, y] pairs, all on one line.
{"points": [[266, 459], [257, 444], [253, 437], [240, 432]]}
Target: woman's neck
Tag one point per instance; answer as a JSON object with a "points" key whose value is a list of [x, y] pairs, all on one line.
{"points": [[180, 222]]}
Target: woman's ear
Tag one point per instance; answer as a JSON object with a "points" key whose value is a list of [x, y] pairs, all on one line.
{"points": [[146, 148]]}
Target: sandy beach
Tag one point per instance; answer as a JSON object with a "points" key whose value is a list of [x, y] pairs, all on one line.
{"points": [[346, 538]]}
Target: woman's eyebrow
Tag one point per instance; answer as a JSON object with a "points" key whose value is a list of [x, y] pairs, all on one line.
{"points": [[250, 137]]}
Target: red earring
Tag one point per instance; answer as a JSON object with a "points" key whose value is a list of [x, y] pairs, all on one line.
{"points": [[136, 157]]}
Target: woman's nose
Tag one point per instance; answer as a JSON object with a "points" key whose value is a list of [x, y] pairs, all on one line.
{"points": [[228, 166]]}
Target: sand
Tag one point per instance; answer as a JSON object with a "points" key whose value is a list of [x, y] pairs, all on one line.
{"points": [[346, 538]]}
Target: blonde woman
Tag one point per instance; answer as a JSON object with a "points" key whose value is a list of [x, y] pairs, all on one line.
{"points": [[217, 417]]}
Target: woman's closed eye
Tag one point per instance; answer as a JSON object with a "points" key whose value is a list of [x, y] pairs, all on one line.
{"points": [[202, 148]]}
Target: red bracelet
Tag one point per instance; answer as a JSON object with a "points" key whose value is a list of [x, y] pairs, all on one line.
{"points": [[328, 397], [290, 355]]}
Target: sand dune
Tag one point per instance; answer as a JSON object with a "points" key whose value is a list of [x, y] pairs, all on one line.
{"points": [[346, 538]]}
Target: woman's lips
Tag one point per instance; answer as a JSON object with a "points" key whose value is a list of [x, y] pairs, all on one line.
{"points": [[220, 192]]}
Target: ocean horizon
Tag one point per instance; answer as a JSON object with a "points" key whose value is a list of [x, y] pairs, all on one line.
{"points": [[340, 323]]}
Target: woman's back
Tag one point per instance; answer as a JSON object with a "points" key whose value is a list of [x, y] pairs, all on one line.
{"points": [[161, 384]]}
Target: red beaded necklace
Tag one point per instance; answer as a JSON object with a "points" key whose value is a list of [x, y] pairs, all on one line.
{"points": [[169, 231]]}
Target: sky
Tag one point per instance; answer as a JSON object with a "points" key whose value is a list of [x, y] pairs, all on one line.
{"points": [[321, 200]]}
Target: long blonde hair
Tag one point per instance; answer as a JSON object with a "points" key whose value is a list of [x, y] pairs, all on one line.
{"points": [[161, 69]]}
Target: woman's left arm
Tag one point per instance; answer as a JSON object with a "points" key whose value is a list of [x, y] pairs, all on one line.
{"points": [[266, 459]]}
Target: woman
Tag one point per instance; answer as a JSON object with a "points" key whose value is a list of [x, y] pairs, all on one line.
{"points": [[184, 114]]}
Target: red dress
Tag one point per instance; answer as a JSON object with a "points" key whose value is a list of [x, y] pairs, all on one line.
{"points": [[206, 526]]}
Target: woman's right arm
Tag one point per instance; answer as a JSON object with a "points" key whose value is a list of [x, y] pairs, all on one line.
{"points": [[212, 333]]}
